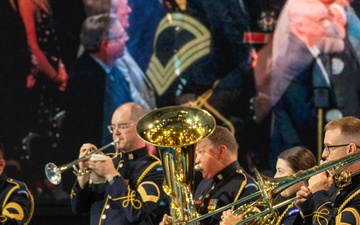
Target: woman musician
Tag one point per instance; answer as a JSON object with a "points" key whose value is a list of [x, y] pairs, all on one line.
{"points": [[289, 162]]}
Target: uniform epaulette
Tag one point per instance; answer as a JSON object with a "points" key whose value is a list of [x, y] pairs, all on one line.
{"points": [[253, 184], [155, 157], [146, 171], [239, 171]]}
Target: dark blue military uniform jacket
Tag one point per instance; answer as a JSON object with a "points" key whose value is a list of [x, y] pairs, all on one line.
{"points": [[319, 209], [130, 199], [17, 203], [229, 185], [288, 213]]}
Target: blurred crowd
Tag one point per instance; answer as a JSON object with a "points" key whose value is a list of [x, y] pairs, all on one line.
{"points": [[273, 72]]}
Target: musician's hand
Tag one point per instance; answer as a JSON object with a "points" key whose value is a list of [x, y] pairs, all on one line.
{"points": [[228, 218], [104, 168], [320, 181], [302, 195], [85, 149]]}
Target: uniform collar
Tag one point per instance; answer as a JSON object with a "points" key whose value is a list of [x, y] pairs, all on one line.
{"points": [[228, 171], [128, 156]]}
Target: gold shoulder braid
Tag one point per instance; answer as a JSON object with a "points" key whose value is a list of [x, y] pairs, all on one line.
{"points": [[32, 207], [284, 213], [342, 206], [242, 186], [146, 172]]}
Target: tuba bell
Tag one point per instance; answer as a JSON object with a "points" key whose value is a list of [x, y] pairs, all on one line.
{"points": [[175, 130]]}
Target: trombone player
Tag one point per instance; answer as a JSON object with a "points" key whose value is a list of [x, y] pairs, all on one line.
{"points": [[329, 200], [289, 162], [132, 186]]}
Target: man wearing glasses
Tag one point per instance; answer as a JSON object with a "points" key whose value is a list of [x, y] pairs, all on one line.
{"points": [[323, 203], [95, 86], [133, 182], [141, 88]]}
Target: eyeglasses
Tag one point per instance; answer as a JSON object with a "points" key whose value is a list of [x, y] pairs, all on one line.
{"points": [[122, 126], [327, 148], [121, 36]]}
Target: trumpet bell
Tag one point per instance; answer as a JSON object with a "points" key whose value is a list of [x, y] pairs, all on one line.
{"points": [[52, 173]]}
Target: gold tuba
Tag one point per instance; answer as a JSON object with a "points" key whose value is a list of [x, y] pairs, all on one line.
{"points": [[175, 130]]}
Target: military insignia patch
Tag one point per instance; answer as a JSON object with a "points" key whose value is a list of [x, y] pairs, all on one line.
{"points": [[180, 40], [267, 21], [212, 204]]}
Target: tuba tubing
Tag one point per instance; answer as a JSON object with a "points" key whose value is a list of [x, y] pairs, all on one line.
{"points": [[53, 172], [273, 186], [175, 130]]}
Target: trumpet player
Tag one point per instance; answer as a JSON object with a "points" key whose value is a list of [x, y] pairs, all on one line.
{"points": [[329, 200], [132, 186]]}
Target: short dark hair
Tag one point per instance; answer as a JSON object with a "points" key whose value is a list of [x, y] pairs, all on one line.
{"points": [[298, 158], [222, 136]]}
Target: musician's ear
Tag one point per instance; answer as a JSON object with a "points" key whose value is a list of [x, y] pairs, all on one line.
{"points": [[352, 148], [222, 150]]}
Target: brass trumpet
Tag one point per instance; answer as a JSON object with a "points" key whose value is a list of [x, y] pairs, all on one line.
{"points": [[271, 187], [53, 172]]}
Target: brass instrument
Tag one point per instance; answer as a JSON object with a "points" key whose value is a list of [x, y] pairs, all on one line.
{"points": [[53, 172], [175, 130], [271, 187]]}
